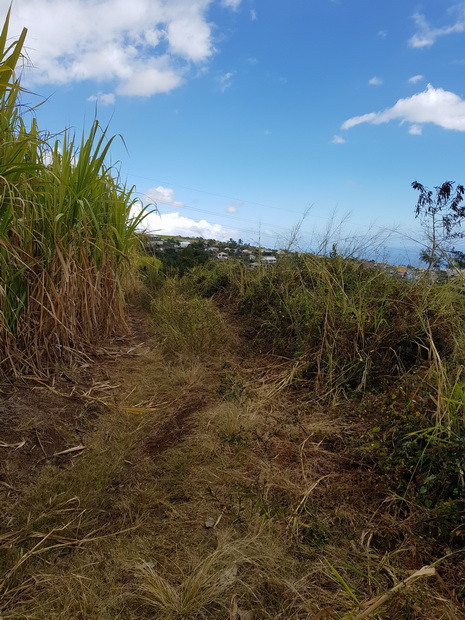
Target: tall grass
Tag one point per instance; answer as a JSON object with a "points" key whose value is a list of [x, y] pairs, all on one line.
{"points": [[393, 349], [188, 325], [66, 234], [352, 328]]}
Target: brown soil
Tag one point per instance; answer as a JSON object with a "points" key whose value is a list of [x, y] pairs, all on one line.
{"points": [[42, 421], [174, 428]]}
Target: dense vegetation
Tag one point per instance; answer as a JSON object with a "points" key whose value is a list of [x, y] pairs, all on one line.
{"points": [[66, 235], [282, 442], [393, 348]]}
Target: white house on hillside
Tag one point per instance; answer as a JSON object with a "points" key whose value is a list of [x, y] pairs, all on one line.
{"points": [[153, 240], [268, 260]]}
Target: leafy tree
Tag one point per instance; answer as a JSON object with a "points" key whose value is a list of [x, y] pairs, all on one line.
{"points": [[433, 260], [441, 212], [457, 259], [180, 261]]}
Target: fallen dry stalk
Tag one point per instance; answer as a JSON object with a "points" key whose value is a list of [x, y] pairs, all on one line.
{"points": [[376, 602], [38, 549], [85, 397]]}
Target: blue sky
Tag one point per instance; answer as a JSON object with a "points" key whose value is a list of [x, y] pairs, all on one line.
{"points": [[238, 115]]}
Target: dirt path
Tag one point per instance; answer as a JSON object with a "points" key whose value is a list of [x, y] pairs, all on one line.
{"points": [[43, 421], [149, 485], [77, 454]]}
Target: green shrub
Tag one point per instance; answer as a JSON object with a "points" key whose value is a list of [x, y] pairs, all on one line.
{"points": [[189, 325], [423, 461], [178, 262], [354, 326], [149, 269]]}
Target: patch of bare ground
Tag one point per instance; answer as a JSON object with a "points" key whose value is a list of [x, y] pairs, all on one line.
{"points": [[207, 486]]}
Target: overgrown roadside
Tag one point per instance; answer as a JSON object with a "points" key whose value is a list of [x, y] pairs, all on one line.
{"points": [[205, 484]]}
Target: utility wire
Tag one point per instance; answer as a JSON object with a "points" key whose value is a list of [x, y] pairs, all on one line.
{"points": [[238, 218], [202, 191], [227, 215]]}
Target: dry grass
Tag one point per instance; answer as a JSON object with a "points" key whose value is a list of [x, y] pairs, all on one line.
{"points": [[203, 584], [216, 487], [256, 508], [189, 325]]}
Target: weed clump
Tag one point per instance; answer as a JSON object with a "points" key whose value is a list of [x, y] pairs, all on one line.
{"points": [[392, 348], [354, 328], [422, 460], [188, 325]]}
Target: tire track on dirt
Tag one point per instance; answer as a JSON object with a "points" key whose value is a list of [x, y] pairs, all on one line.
{"points": [[174, 428]]}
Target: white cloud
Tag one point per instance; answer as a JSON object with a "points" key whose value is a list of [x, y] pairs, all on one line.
{"points": [[189, 37], [142, 48], [427, 35], [149, 81], [338, 140], [233, 206], [375, 81], [433, 105], [231, 4], [163, 196], [176, 224], [226, 81], [383, 34], [415, 130], [103, 98], [415, 78], [253, 15]]}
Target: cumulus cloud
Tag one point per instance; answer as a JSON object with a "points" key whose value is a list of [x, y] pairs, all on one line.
{"points": [[415, 78], [427, 35], [142, 48], [149, 81], [103, 98], [163, 196], [433, 105], [338, 140], [176, 224], [375, 81]]}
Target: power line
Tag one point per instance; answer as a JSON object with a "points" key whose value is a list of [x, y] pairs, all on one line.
{"points": [[202, 191], [226, 215], [251, 202], [250, 231], [272, 227], [238, 218]]}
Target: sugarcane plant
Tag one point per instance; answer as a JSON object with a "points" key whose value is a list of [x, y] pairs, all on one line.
{"points": [[67, 234]]}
